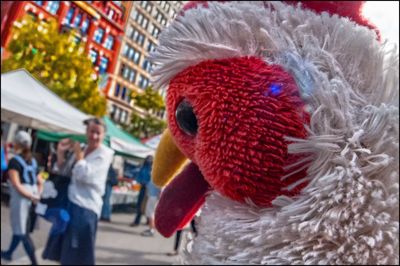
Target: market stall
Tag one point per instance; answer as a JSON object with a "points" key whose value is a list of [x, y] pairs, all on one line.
{"points": [[28, 102]]}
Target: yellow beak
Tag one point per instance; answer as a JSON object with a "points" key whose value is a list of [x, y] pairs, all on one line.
{"points": [[168, 160]]}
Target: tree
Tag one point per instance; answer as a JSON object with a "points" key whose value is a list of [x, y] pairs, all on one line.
{"points": [[147, 125], [57, 61]]}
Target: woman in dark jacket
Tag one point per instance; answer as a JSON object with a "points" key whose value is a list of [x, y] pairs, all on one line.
{"points": [[25, 188]]}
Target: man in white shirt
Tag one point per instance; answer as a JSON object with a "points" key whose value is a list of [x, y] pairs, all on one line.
{"points": [[89, 174]]}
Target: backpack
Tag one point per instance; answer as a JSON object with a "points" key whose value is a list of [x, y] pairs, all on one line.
{"points": [[28, 169]]}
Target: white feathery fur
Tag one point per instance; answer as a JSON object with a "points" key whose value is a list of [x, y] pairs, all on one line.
{"points": [[349, 211]]}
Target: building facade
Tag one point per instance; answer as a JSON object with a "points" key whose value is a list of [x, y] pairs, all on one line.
{"points": [[132, 71], [100, 25]]}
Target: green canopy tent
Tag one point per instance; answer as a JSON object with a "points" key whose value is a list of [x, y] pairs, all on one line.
{"points": [[117, 139]]}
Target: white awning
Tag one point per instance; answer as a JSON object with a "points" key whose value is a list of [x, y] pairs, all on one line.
{"points": [[26, 101]]}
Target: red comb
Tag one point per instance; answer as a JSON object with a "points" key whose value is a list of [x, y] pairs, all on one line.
{"points": [[349, 9]]}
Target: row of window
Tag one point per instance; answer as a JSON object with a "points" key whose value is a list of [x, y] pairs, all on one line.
{"points": [[52, 6], [128, 73], [123, 93], [146, 65], [135, 35], [119, 115], [98, 37], [161, 19], [139, 18], [143, 82], [103, 64], [146, 6], [130, 53], [99, 33], [77, 21]]}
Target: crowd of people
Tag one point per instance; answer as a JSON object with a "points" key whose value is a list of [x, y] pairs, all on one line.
{"points": [[75, 213]]}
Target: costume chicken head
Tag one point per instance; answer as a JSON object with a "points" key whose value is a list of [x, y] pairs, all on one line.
{"points": [[287, 113]]}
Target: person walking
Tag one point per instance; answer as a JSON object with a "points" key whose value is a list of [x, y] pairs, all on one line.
{"points": [[76, 246], [178, 238], [153, 195], [25, 188], [143, 179], [3, 156], [112, 180]]}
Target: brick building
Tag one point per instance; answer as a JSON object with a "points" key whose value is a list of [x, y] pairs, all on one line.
{"points": [[100, 26], [132, 72]]}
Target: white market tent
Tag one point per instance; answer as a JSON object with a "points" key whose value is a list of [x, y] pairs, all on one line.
{"points": [[26, 101]]}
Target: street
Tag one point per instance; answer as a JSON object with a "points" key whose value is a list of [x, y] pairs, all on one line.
{"points": [[116, 244]]}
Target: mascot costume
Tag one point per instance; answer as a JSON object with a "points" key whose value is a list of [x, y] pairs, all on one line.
{"points": [[288, 115]]}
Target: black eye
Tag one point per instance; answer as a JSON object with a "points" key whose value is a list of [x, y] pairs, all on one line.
{"points": [[186, 118]]}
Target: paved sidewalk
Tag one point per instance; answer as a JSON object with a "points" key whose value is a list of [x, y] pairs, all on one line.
{"points": [[116, 244]]}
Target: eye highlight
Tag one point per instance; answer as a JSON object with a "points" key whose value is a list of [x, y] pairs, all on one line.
{"points": [[185, 118]]}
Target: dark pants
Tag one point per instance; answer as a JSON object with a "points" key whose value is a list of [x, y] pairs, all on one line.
{"points": [[139, 204], [179, 235], [107, 208], [77, 245]]}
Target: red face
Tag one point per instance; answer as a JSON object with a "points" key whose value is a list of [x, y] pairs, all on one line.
{"points": [[230, 118]]}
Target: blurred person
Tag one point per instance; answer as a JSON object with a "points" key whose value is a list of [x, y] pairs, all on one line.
{"points": [[143, 179], [25, 188], [3, 156], [77, 244], [153, 195], [178, 237], [112, 180]]}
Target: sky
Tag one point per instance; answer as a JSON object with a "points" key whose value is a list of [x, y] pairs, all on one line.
{"points": [[385, 15]]}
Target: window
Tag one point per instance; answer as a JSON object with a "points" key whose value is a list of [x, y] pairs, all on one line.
{"points": [[140, 39], [143, 82], [132, 75], [122, 70], [150, 46], [129, 31], [116, 91], [126, 49], [128, 97], [125, 75], [69, 15], [144, 23], [109, 42], [123, 93], [123, 116], [146, 65], [98, 35], [85, 25], [136, 57], [155, 32], [77, 20], [134, 14], [131, 53], [52, 7], [103, 65], [110, 13], [151, 27], [117, 114], [134, 35], [40, 3], [93, 56]]}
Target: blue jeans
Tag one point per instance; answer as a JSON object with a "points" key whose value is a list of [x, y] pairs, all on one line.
{"points": [[107, 208], [139, 204], [77, 245]]}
